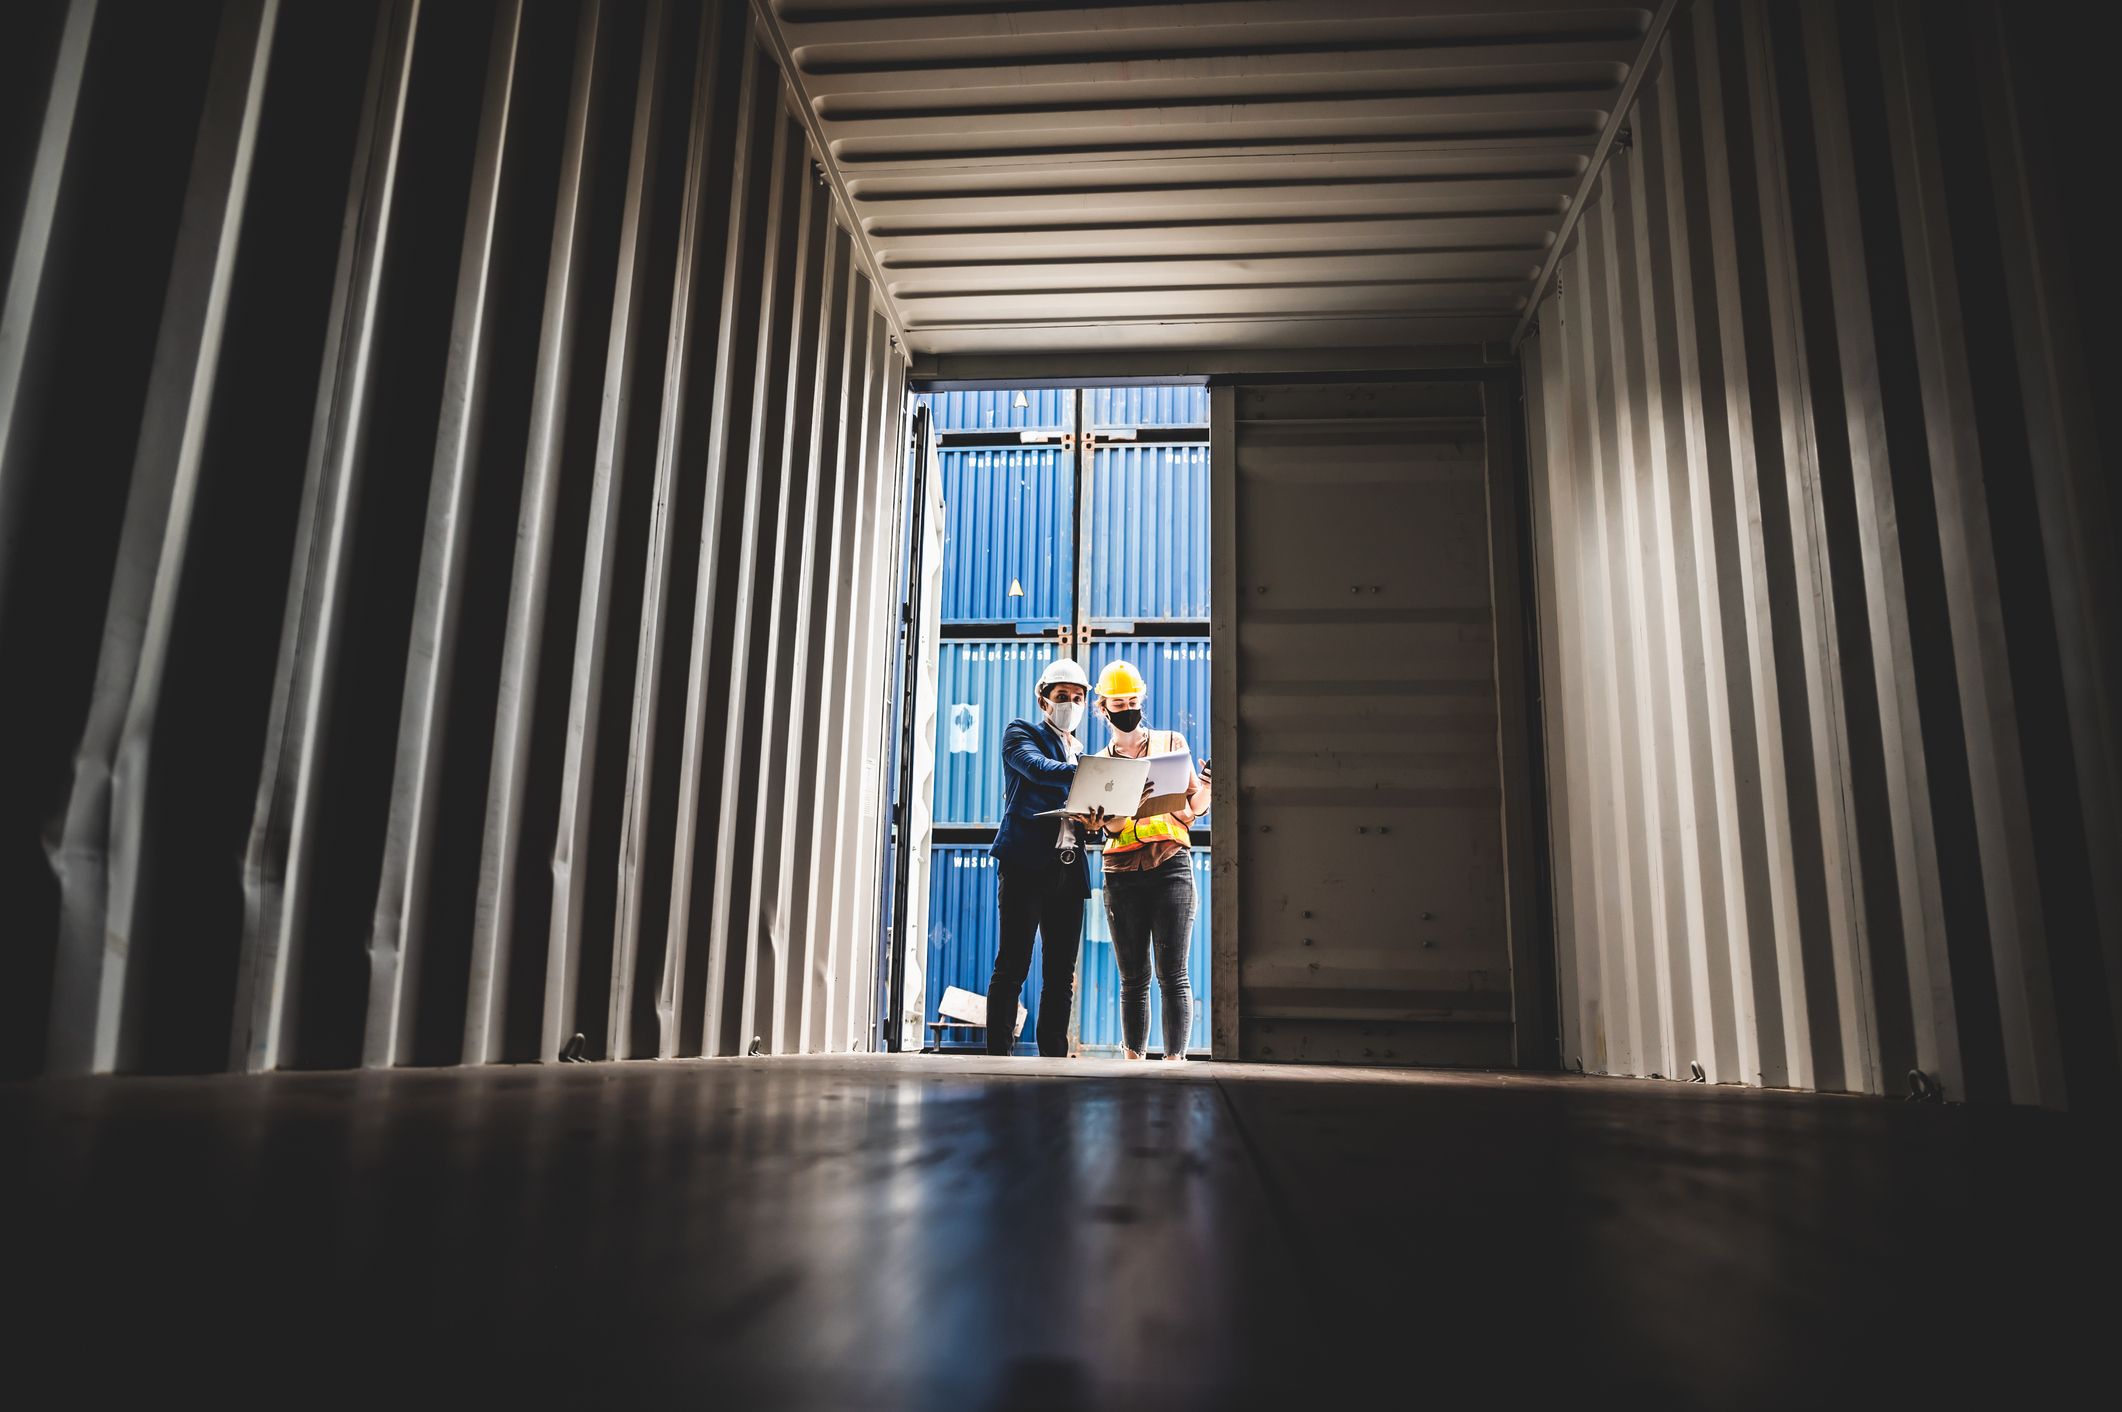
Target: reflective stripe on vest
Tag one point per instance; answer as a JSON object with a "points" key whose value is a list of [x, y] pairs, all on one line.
{"points": [[1164, 826]]}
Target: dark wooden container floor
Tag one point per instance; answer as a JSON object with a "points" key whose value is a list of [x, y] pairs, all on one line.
{"points": [[927, 1232]]}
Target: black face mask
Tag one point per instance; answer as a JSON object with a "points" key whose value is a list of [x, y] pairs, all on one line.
{"points": [[1125, 721]]}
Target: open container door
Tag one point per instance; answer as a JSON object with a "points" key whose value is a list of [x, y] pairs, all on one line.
{"points": [[913, 813]]}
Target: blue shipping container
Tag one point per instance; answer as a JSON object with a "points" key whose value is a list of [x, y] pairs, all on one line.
{"points": [[983, 685], [964, 920], [1045, 409], [1178, 673], [1121, 407], [1150, 528], [1053, 408], [1008, 522], [963, 938]]}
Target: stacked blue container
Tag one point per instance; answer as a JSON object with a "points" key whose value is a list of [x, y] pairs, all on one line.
{"points": [[964, 933], [1009, 558], [1149, 508], [982, 686], [1122, 407], [1053, 408], [1008, 534], [1050, 409], [1177, 672]]}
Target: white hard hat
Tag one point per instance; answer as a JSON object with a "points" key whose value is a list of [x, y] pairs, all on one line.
{"points": [[1063, 671]]}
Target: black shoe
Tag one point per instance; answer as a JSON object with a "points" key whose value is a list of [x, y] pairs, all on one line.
{"points": [[571, 1052]]}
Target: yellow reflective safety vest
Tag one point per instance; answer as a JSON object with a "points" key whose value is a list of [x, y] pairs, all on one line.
{"points": [[1140, 833]]}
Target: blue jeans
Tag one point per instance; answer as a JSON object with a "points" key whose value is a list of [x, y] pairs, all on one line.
{"points": [[1151, 913]]}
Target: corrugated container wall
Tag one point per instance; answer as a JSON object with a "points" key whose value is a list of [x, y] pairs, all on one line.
{"points": [[1149, 521], [1009, 520], [1176, 674], [1053, 409], [1827, 595], [1137, 407], [981, 686], [445, 467], [1048, 409]]}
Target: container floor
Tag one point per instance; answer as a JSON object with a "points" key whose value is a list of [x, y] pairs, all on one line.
{"points": [[937, 1232]]}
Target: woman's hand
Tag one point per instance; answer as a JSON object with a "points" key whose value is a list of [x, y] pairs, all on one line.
{"points": [[1103, 822]]}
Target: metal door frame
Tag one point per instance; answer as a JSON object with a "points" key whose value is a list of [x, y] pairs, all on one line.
{"points": [[920, 452], [1072, 636]]}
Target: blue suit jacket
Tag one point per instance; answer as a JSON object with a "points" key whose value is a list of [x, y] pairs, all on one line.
{"points": [[1036, 776]]}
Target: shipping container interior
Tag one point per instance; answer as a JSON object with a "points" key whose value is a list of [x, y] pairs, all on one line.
{"points": [[523, 523], [499, 503]]}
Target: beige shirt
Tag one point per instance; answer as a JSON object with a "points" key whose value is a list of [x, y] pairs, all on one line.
{"points": [[1155, 852]]}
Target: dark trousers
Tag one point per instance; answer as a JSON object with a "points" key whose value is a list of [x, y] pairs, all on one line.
{"points": [[1042, 901], [1151, 914]]}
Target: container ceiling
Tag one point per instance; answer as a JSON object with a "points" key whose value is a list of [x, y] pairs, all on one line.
{"points": [[1228, 174]]}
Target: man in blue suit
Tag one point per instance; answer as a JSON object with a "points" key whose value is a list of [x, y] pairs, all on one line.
{"points": [[1045, 878]]}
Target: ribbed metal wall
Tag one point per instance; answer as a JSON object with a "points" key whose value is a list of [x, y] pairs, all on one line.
{"points": [[1137, 407], [1149, 525], [1246, 175], [996, 681], [1177, 672], [1010, 524], [446, 455], [1050, 409], [1827, 597]]}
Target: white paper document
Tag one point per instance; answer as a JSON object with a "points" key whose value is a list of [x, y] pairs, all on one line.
{"points": [[1104, 782], [1169, 777]]}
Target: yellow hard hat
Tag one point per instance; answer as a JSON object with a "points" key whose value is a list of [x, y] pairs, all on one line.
{"points": [[1120, 679]]}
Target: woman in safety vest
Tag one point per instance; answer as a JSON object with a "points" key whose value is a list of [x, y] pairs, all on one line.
{"points": [[1149, 876]]}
